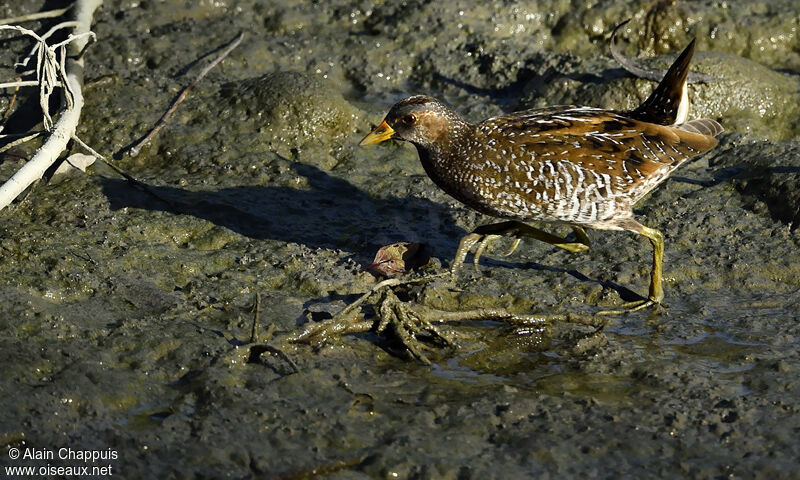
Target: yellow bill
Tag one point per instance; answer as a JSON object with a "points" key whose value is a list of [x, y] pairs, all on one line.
{"points": [[379, 134]]}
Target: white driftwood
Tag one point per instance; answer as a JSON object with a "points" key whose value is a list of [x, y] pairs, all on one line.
{"points": [[35, 16], [64, 127]]}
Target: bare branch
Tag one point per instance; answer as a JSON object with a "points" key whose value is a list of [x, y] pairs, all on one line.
{"points": [[35, 16], [165, 118], [71, 77], [21, 83]]}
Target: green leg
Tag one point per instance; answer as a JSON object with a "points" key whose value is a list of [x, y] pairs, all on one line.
{"points": [[581, 236], [656, 293], [657, 240], [485, 234]]}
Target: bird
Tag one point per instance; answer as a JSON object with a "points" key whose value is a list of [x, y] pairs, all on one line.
{"points": [[584, 167]]}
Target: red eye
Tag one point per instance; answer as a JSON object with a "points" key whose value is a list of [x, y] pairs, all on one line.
{"points": [[409, 119]]}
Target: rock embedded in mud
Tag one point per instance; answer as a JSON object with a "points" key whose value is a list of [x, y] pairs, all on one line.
{"points": [[293, 109]]}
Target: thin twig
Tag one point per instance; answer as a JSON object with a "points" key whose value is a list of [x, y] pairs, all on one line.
{"points": [[638, 71], [17, 135], [260, 348], [165, 118], [11, 103], [133, 181], [35, 16], [256, 313], [18, 84], [55, 28], [19, 141]]}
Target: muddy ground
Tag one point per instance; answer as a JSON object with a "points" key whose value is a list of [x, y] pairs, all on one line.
{"points": [[125, 319]]}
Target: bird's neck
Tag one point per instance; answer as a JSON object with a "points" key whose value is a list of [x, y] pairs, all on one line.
{"points": [[446, 146], [441, 159]]}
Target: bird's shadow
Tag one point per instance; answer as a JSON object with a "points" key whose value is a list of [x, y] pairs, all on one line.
{"points": [[328, 212], [625, 293]]}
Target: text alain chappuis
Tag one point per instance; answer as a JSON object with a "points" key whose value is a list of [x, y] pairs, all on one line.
{"points": [[80, 462]]}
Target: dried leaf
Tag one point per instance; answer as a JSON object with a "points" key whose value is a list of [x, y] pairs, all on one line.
{"points": [[399, 258], [77, 161]]}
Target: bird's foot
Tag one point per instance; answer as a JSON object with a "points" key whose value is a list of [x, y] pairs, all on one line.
{"points": [[480, 242], [634, 306], [482, 236]]}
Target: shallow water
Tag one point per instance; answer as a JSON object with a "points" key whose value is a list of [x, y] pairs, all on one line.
{"points": [[125, 319]]}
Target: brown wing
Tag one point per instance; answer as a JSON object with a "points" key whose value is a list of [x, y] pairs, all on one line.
{"points": [[631, 151], [583, 164]]}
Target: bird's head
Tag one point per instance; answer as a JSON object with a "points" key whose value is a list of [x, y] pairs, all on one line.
{"points": [[420, 120]]}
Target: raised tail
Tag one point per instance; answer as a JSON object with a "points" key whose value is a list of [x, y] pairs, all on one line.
{"points": [[669, 102]]}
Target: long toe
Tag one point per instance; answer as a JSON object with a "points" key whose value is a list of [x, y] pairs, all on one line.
{"points": [[631, 307]]}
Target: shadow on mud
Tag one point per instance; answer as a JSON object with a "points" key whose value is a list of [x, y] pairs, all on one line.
{"points": [[329, 213]]}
